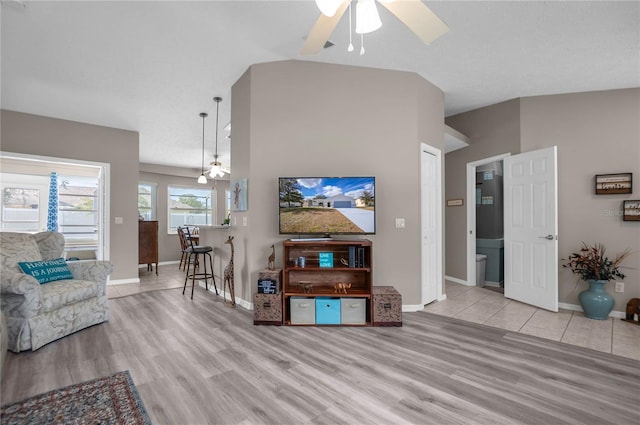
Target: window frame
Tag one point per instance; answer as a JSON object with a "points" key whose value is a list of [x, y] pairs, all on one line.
{"points": [[209, 212], [153, 195]]}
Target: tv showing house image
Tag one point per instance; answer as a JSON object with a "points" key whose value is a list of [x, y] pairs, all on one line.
{"points": [[327, 205]]}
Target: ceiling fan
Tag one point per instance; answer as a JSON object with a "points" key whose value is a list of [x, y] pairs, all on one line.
{"points": [[413, 13]]}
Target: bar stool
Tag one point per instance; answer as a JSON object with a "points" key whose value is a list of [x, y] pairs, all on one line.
{"points": [[197, 250]]}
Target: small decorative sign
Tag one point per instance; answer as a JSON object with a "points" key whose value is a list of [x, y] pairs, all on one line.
{"points": [[326, 259], [267, 286], [613, 184], [455, 202], [631, 211]]}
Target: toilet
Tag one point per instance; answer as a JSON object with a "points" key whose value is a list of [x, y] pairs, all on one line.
{"points": [[481, 264]]}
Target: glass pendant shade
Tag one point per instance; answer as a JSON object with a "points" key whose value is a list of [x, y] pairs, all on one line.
{"points": [[216, 169], [202, 179], [367, 18]]}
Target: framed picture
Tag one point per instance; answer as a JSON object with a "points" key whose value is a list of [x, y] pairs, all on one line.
{"points": [[631, 210], [613, 184], [239, 195]]}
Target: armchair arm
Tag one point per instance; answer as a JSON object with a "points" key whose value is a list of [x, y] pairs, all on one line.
{"points": [[20, 294], [17, 283], [93, 270]]}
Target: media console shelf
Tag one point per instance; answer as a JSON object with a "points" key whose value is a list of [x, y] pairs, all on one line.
{"points": [[333, 274]]}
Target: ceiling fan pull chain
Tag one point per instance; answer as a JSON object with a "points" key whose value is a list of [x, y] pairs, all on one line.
{"points": [[350, 48], [361, 44]]}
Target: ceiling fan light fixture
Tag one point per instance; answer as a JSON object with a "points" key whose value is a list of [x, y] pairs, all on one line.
{"points": [[328, 7], [367, 17], [216, 169]]}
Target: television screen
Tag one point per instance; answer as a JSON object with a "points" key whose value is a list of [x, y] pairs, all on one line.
{"points": [[327, 205]]}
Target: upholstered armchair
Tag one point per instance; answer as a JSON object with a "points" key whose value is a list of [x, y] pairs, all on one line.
{"points": [[38, 313]]}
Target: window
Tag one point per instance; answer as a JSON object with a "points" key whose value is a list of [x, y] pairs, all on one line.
{"points": [[147, 200], [227, 204], [83, 188], [78, 210], [189, 206], [21, 209]]}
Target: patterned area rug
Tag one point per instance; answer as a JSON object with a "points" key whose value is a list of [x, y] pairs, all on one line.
{"points": [[109, 400]]}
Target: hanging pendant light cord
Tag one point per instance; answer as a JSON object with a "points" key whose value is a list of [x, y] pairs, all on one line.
{"points": [[202, 165], [217, 100]]}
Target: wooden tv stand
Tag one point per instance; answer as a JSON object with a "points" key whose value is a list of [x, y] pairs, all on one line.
{"points": [[332, 268]]}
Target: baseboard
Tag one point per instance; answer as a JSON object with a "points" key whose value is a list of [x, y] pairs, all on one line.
{"points": [[122, 281], [411, 308], [573, 307], [239, 301], [456, 280]]}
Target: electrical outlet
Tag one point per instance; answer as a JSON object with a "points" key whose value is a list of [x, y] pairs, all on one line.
{"points": [[244, 221], [399, 223], [619, 287]]}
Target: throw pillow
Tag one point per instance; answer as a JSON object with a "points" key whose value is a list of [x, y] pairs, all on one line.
{"points": [[47, 271]]}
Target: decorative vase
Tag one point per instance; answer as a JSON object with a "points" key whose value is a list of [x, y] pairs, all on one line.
{"points": [[595, 301]]}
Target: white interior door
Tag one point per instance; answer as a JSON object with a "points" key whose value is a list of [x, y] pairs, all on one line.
{"points": [[431, 207], [531, 228]]}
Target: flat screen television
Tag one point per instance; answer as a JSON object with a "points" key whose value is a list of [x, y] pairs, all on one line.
{"points": [[325, 206]]}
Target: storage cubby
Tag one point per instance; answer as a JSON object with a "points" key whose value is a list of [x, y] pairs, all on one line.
{"points": [[333, 269]]}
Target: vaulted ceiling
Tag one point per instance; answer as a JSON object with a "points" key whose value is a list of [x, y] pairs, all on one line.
{"points": [[153, 66]]}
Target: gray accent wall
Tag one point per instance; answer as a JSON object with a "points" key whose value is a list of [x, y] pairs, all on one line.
{"points": [[596, 133], [38, 135], [295, 118], [493, 130]]}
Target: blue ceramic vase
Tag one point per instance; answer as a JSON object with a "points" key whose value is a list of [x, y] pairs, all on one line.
{"points": [[595, 301]]}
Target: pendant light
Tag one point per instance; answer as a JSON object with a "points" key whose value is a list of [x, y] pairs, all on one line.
{"points": [[202, 179], [216, 167]]}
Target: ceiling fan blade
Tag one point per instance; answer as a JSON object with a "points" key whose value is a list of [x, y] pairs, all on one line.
{"points": [[321, 31], [418, 17]]}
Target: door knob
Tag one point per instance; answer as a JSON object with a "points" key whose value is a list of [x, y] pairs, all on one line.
{"points": [[548, 237]]}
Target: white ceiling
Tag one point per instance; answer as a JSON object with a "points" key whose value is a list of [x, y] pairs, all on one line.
{"points": [[153, 66]]}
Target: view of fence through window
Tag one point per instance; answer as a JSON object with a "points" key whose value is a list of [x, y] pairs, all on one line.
{"points": [[190, 206], [147, 201], [21, 209], [78, 210], [24, 209]]}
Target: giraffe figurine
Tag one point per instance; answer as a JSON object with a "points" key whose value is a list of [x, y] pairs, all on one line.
{"points": [[272, 259], [228, 278]]}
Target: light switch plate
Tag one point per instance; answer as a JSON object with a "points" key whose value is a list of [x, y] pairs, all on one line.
{"points": [[119, 220], [399, 223]]}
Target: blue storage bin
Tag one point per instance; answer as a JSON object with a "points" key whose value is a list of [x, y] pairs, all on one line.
{"points": [[327, 311]]}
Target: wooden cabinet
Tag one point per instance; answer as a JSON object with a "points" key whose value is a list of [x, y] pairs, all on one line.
{"points": [[326, 269], [148, 244]]}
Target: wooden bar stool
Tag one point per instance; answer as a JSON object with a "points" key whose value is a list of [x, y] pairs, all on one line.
{"points": [[197, 250]]}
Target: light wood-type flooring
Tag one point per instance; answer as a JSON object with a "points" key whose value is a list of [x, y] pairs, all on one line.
{"points": [[200, 362]]}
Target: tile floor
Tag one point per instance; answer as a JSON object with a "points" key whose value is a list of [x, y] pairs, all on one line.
{"points": [[168, 277], [473, 304], [481, 305]]}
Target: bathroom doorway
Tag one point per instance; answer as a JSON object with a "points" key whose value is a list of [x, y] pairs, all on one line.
{"points": [[485, 221]]}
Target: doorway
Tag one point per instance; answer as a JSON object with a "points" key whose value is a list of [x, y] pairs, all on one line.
{"points": [[485, 187], [530, 226]]}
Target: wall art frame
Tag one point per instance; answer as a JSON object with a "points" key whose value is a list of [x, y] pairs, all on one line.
{"points": [[631, 210], [239, 195], [614, 184]]}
